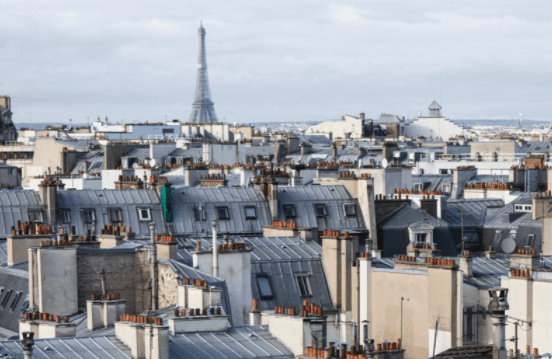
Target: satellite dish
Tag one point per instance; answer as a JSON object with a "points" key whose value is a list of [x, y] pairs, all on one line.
{"points": [[153, 163], [135, 166], [384, 163], [508, 245]]}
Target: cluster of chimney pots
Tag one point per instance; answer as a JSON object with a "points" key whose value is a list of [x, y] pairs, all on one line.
{"points": [[163, 238], [98, 296], [291, 225], [198, 312], [528, 350], [45, 317], [346, 352], [531, 252], [518, 272], [429, 260], [141, 319], [231, 246], [115, 230], [26, 228], [331, 233], [423, 246]]}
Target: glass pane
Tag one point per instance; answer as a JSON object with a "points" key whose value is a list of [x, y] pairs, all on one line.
{"points": [[349, 210], [321, 210], [289, 211], [264, 287], [144, 214], [250, 213], [222, 212]]}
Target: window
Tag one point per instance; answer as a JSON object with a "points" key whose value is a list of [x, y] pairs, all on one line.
{"points": [[222, 213], [36, 216], [497, 237], [530, 241], [199, 214], [144, 214], [10, 172], [418, 187], [64, 215], [88, 215], [513, 234], [446, 188], [528, 208], [250, 213], [421, 237], [321, 210], [115, 215], [289, 211], [349, 210], [15, 300], [264, 287], [304, 286], [6, 298], [24, 306], [443, 172]]}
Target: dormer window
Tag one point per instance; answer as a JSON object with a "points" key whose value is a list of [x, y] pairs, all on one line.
{"points": [[289, 211], [36, 216], [321, 210], [421, 238]]}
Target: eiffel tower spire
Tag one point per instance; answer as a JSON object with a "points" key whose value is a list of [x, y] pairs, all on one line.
{"points": [[203, 109]]}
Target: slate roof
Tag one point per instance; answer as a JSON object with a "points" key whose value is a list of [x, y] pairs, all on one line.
{"points": [[14, 290], [260, 150], [467, 351], [434, 106], [406, 216], [432, 182], [194, 152], [95, 160], [474, 211], [236, 343], [279, 258], [494, 217]]}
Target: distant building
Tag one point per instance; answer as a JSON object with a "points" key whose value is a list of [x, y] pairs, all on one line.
{"points": [[434, 126], [8, 131]]}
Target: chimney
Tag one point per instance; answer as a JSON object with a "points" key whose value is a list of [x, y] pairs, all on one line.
{"points": [[47, 191], [498, 305], [273, 198], [28, 343], [146, 341], [430, 206], [103, 313], [334, 151], [466, 264], [215, 249]]}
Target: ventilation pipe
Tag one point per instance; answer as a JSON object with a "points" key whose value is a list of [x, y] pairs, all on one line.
{"points": [[498, 306], [153, 265], [28, 343], [215, 250]]}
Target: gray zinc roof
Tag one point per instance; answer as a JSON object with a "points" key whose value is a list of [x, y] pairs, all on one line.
{"points": [[106, 347], [129, 200], [14, 206], [236, 343], [235, 199], [305, 198]]}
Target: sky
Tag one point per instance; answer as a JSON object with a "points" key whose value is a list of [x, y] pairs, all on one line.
{"points": [[285, 61]]}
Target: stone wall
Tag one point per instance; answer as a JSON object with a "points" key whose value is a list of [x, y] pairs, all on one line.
{"points": [[127, 273]]}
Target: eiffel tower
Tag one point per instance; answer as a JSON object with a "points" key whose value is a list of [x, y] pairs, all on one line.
{"points": [[203, 109]]}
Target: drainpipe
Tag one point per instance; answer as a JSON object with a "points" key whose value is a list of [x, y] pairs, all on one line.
{"points": [[28, 343], [215, 250], [153, 265]]}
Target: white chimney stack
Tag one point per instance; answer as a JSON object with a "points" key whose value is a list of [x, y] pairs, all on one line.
{"points": [[215, 250]]}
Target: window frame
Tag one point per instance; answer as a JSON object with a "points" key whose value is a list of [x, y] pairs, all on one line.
{"points": [[141, 218], [247, 217], [424, 235], [497, 237], [35, 210], [6, 298], [118, 212], [199, 214], [353, 205], [264, 276], [92, 211], [15, 300], [292, 207], [218, 213], [530, 241], [322, 205], [303, 282], [64, 211]]}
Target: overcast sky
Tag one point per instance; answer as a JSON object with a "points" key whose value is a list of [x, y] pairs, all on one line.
{"points": [[276, 60]]}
